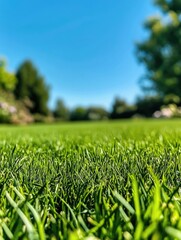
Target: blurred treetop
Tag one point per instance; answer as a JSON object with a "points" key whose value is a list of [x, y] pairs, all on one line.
{"points": [[31, 85], [7, 79], [161, 51]]}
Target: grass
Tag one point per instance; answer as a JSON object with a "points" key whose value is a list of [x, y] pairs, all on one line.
{"points": [[110, 180]]}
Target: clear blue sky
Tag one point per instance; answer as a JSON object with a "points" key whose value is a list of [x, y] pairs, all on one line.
{"points": [[83, 48]]}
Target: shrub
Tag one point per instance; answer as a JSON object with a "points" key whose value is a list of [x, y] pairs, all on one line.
{"points": [[5, 116]]}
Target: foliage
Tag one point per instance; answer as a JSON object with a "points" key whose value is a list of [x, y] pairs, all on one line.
{"points": [[169, 111], [121, 109], [61, 111], [30, 84], [7, 80], [147, 105], [38, 118], [96, 113], [160, 52], [90, 113], [78, 114], [5, 116], [91, 181], [12, 110]]}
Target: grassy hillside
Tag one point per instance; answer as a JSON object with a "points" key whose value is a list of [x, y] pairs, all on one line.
{"points": [[111, 180]]}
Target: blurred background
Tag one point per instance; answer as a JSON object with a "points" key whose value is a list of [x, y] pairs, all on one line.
{"points": [[89, 60]]}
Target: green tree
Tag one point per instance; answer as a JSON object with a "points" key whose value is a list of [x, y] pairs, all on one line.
{"points": [[96, 113], [61, 111], [78, 114], [31, 85], [160, 52], [7, 79], [121, 109], [147, 105]]}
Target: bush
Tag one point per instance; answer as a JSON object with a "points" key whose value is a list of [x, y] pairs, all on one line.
{"points": [[147, 105], [5, 116], [121, 109], [38, 118], [78, 114], [96, 113]]}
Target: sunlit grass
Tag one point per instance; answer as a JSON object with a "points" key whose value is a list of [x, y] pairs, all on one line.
{"points": [[110, 180]]}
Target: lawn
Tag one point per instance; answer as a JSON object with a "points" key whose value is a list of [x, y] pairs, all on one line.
{"points": [[98, 180]]}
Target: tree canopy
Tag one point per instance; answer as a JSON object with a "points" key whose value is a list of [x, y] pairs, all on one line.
{"points": [[7, 79], [120, 109], [31, 85], [61, 111], [160, 52]]}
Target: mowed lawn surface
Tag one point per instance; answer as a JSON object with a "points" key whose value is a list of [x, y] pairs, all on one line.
{"points": [[99, 180]]}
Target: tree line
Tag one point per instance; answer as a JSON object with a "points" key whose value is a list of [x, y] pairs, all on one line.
{"points": [[29, 87], [159, 52]]}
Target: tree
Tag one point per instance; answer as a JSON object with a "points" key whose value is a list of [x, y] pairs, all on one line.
{"points": [[7, 80], [31, 85], [78, 114], [61, 111], [147, 105], [161, 51], [96, 113], [121, 109]]}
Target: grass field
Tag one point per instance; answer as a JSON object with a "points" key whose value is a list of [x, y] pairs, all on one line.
{"points": [[110, 180]]}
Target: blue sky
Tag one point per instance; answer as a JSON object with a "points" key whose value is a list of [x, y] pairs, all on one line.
{"points": [[83, 48]]}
